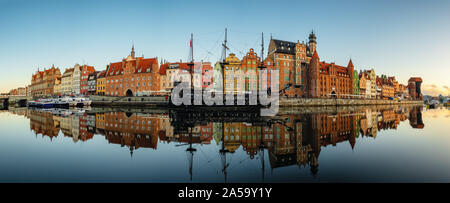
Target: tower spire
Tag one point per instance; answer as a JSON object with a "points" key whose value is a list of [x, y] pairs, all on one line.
{"points": [[350, 63], [132, 50], [262, 47]]}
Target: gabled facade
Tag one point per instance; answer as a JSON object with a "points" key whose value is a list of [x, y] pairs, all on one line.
{"points": [[43, 82], [330, 80], [67, 82], [292, 61], [92, 83], [84, 74], [101, 83], [133, 76], [76, 81]]}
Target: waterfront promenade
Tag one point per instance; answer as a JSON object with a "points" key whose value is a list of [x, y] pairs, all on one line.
{"points": [[156, 101]]}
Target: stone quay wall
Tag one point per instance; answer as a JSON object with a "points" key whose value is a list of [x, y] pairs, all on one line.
{"points": [[293, 102], [154, 101], [144, 101]]}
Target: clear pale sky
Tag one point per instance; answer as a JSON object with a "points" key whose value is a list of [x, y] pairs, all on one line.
{"points": [[403, 38]]}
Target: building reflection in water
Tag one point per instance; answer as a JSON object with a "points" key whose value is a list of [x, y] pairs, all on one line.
{"points": [[289, 139]]}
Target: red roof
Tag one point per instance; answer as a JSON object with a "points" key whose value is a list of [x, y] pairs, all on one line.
{"points": [[415, 79], [142, 65], [350, 63], [114, 69], [145, 65], [89, 68], [325, 67]]}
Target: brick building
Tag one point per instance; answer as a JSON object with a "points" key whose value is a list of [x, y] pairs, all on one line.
{"points": [[414, 88], [330, 80], [43, 82], [133, 76], [84, 74]]}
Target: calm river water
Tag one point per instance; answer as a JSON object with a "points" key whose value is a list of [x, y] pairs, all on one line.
{"points": [[361, 144]]}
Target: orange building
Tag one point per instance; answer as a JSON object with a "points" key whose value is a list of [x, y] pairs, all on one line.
{"points": [[387, 86], [250, 62], [43, 82], [330, 80], [132, 130], [42, 122], [133, 76]]}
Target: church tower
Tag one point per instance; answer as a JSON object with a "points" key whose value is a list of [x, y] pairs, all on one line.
{"points": [[132, 51], [314, 80], [350, 69], [312, 42]]}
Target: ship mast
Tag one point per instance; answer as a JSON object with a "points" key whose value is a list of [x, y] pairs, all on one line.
{"points": [[191, 62], [223, 63], [262, 146], [261, 64], [223, 152], [190, 150]]}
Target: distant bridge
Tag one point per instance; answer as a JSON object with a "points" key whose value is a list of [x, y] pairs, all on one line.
{"points": [[8, 100]]}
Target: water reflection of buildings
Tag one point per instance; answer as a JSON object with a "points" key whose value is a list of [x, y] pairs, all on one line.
{"points": [[291, 139], [43, 123]]}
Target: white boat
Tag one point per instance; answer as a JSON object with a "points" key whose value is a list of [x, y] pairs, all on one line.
{"points": [[86, 102], [74, 101]]}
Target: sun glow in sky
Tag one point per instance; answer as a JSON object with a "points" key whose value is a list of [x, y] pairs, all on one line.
{"points": [[400, 38]]}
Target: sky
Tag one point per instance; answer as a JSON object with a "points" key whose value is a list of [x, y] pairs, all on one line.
{"points": [[402, 38]]}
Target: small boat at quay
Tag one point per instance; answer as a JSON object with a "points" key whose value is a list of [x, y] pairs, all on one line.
{"points": [[64, 102], [42, 103]]}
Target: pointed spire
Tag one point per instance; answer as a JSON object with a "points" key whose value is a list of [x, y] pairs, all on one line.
{"points": [[315, 55], [132, 50], [352, 143], [350, 64]]}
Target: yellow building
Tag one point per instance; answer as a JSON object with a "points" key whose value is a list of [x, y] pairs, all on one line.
{"points": [[232, 136], [57, 88], [101, 84], [67, 81], [100, 121], [233, 65]]}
